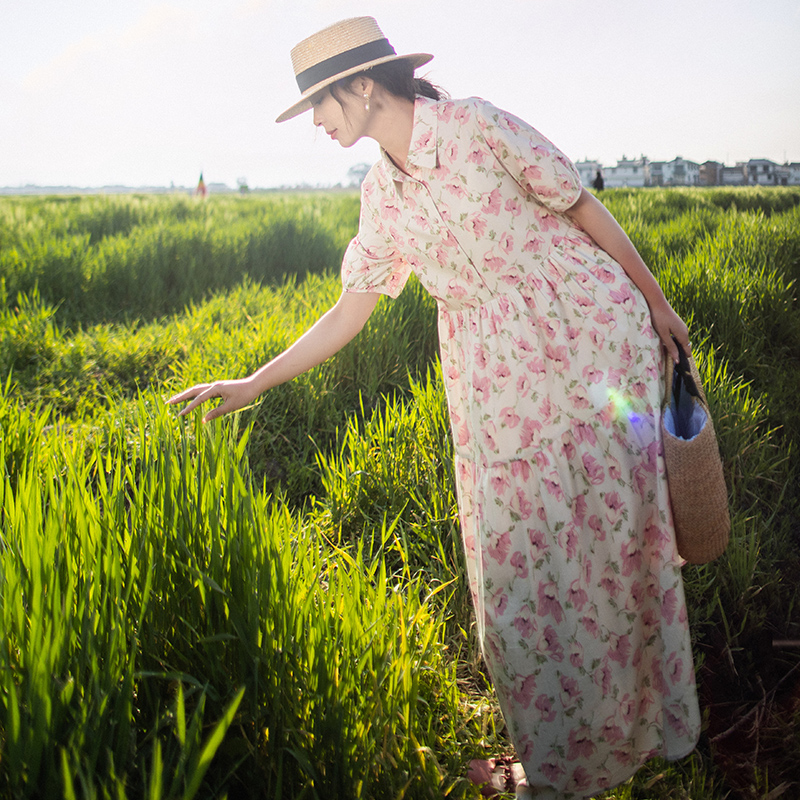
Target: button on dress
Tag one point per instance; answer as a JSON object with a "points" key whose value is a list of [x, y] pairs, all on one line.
{"points": [[552, 372]]}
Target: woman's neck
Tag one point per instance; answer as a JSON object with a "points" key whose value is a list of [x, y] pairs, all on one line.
{"points": [[391, 127]]}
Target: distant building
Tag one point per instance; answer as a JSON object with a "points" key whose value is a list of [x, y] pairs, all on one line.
{"points": [[763, 172], [734, 176], [710, 173], [794, 173], [588, 171], [628, 172], [678, 172]]}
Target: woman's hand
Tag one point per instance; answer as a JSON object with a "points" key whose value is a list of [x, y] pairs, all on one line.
{"points": [[670, 329], [235, 394]]}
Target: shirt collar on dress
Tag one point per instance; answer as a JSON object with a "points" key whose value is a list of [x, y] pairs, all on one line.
{"points": [[423, 153]]}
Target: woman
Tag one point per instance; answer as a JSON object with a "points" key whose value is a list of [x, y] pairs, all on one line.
{"points": [[549, 327]]}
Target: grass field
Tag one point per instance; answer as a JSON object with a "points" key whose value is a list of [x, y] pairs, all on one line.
{"points": [[273, 606]]}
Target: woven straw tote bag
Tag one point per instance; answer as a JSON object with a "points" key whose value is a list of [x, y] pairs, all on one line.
{"points": [[697, 490]]}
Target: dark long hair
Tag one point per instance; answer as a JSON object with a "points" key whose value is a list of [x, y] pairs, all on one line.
{"points": [[397, 77]]}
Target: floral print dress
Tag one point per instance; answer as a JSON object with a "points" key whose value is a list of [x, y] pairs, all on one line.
{"points": [[552, 373]]}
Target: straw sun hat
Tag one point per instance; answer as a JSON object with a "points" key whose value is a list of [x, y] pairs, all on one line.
{"points": [[337, 51]]}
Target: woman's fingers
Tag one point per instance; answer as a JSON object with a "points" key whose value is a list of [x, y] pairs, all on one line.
{"points": [[197, 395]]}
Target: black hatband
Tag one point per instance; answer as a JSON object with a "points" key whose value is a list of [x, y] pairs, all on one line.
{"points": [[343, 62]]}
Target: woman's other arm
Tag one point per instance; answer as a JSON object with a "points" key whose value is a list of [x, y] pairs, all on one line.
{"points": [[597, 221], [326, 337]]}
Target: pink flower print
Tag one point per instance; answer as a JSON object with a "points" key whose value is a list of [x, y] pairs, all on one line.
{"points": [[488, 431], [669, 605], [579, 398], [596, 524], [580, 743], [548, 326], [513, 206], [482, 388], [624, 297], [584, 304], [541, 459], [533, 243], [498, 601], [581, 779], [604, 318], [520, 505], [520, 564], [389, 209], [610, 583], [547, 410], [548, 643], [650, 621], [611, 732], [444, 111], [506, 242], [548, 601], [603, 274], [525, 623], [568, 447], [456, 188], [545, 219], [523, 385], [583, 432], [598, 339], [594, 471], [477, 154], [462, 115], [538, 544], [590, 625], [481, 356], [451, 151], [552, 768], [424, 141], [492, 262], [657, 677], [626, 354], [502, 374], [624, 754], [521, 469], [530, 436], [441, 255], [602, 677], [492, 202], [614, 469], [627, 709], [573, 335], [619, 649], [592, 374], [579, 508], [544, 705], [569, 691], [553, 488], [523, 690], [674, 668], [508, 417], [636, 598], [576, 655], [499, 484], [476, 225], [676, 721], [533, 175], [631, 556], [464, 435], [558, 357], [504, 121], [498, 549]]}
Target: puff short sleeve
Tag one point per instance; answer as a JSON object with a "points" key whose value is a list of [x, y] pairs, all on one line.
{"points": [[532, 160], [372, 262]]}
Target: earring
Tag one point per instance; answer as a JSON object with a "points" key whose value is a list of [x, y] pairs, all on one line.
{"points": [[366, 102]]}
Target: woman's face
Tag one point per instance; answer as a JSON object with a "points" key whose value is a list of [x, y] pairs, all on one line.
{"points": [[345, 122]]}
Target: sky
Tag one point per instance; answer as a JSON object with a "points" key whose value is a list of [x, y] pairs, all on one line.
{"points": [[147, 93]]}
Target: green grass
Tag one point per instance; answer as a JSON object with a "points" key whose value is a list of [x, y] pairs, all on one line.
{"points": [[274, 606]]}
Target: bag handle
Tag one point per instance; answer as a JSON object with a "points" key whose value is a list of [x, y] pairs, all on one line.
{"points": [[687, 371]]}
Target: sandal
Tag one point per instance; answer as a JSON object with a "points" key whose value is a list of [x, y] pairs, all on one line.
{"points": [[494, 776]]}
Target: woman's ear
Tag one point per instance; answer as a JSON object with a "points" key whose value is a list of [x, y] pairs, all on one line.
{"points": [[363, 85]]}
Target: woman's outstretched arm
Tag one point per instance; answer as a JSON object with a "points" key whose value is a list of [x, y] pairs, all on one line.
{"points": [[597, 221], [327, 336]]}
